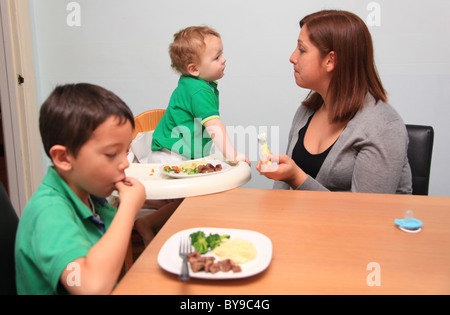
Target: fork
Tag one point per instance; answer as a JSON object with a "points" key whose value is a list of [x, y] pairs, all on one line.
{"points": [[185, 250]]}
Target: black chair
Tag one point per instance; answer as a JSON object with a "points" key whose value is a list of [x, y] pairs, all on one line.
{"points": [[420, 150], [8, 228]]}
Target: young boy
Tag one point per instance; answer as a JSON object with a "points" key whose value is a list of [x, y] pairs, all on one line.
{"points": [[196, 53], [70, 240]]}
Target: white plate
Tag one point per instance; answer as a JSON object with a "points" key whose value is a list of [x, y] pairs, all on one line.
{"points": [[225, 167], [169, 260]]}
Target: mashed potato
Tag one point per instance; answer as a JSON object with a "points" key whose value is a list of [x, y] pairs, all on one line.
{"points": [[193, 165], [238, 250]]}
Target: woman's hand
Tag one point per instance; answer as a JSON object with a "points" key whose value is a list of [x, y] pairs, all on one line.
{"points": [[282, 168]]}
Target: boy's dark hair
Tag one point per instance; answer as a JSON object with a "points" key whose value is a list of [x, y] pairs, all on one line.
{"points": [[72, 112]]}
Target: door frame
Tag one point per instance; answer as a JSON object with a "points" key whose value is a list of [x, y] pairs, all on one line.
{"points": [[23, 150]]}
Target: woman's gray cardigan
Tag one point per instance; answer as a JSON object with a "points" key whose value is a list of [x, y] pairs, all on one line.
{"points": [[369, 155]]}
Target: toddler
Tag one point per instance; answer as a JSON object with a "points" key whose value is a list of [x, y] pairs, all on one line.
{"points": [[197, 54]]}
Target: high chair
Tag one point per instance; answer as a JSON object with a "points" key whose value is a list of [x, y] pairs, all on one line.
{"points": [[147, 121]]}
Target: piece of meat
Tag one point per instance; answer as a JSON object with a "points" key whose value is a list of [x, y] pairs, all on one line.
{"points": [[197, 266], [226, 265], [208, 264], [202, 169], [193, 257], [214, 268], [209, 168]]}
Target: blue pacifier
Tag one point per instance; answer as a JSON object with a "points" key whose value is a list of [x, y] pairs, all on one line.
{"points": [[409, 223]]}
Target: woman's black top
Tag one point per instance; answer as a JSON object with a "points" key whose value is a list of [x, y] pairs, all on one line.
{"points": [[309, 163]]}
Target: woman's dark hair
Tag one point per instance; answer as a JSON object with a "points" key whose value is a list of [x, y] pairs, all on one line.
{"points": [[72, 112], [355, 73]]}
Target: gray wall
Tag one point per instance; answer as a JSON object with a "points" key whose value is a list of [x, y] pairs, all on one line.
{"points": [[122, 45]]}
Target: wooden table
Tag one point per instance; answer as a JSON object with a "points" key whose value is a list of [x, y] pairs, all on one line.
{"points": [[323, 243]]}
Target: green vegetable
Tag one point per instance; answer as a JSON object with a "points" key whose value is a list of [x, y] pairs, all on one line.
{"points": [[190, 171], [201, 246], [198, 240], [213, 240], [202, 243]]}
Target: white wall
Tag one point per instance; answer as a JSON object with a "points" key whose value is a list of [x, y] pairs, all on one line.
{"points": [[122, 45]]}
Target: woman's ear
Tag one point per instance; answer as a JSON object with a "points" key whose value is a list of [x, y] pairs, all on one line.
{"points": [[61, 157], [193, 70], [330, 61]]}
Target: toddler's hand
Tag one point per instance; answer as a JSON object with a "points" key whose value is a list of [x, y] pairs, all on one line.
{"points": [[242, 157], [131, 194]]}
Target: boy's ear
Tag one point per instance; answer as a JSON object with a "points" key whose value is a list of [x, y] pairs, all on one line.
{"points": [[61, 158], [193, 70]]}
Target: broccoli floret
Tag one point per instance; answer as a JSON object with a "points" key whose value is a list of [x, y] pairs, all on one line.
{"points": [[197, 235], [198, 240], [201, 246], [202, 243], [213, 240]]}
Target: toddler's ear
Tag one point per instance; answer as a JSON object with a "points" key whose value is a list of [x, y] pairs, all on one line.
{"points": [[193, 70], [61, 158]]}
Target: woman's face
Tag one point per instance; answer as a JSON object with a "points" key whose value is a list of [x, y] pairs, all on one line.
{"points": [[311, 71]]}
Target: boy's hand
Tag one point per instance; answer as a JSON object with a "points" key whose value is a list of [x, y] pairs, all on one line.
{"points": [[131, 193]]}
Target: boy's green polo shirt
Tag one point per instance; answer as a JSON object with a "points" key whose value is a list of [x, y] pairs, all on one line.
{"points": [[55, 228], [181, 129]]}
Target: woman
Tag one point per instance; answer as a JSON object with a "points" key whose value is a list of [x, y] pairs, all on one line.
{"points": [[344, 137]]}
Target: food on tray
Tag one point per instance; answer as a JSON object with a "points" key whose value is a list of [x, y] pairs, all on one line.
{"points": [[238, 250], [193, 164], [208, 264], [174, 169], [193, 168], [209, 168]]}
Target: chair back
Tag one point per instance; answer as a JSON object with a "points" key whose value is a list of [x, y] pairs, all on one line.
{"points": [[8, 227], [420, 150], [147, 121]]}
